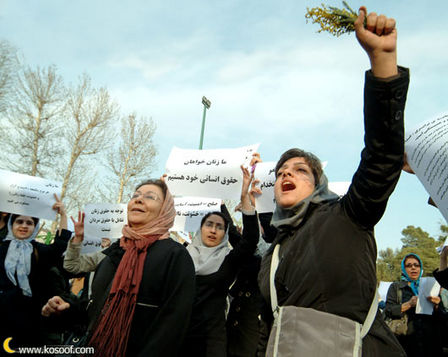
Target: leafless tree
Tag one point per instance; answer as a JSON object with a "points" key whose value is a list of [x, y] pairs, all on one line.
{"points": [[133, 159], [30, 128], [9, 66], [89, 114]]}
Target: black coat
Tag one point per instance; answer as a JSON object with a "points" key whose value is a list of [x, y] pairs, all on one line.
{"points": [[164, 300], [441, 277], [329, 261], [20, 315], [243, 318], [423, 335], [207, 332]]}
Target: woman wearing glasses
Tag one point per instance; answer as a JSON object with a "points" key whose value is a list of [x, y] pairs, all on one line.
{"points": [[421, 338], [216, 266], [143, 288]]}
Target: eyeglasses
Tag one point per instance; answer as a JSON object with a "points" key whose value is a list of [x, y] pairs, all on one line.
{"points": [[147, 196], [410, 265], [21, 221], [210, 224]]}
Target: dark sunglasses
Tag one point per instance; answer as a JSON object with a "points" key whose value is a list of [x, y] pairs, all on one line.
{"points": [[410, 265]]}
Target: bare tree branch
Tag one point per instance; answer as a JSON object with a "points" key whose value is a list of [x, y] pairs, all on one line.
{"points": [[136, 155], [33, 121]]}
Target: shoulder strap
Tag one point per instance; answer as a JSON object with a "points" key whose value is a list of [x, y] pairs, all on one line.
{"points": [[370, 315], [274, 265]]}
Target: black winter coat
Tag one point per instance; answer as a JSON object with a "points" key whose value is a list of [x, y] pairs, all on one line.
{"points": [[20, 315], [207, 332], [441, 277], [243, 319], [423, 336], [164, 300], [329, 261]]}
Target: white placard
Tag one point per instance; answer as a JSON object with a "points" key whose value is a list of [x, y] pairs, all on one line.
{"points": [[104, 220], [427, 153], [439, 249], [92, 244], [28, 195], [428, 287], [207, 173], [383, 288], [339, 188], [265, 173], [190, 210]]}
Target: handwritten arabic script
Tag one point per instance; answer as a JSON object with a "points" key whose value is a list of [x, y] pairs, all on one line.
{"points": [[105, 220], [29, 195]]}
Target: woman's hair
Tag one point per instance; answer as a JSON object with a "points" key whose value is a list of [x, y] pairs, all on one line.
{"points": [[411, 256], [311, 159], [156, 182], [4, 216], [226, 223], [14, 217]]}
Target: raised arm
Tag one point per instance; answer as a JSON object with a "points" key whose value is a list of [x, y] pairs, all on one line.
{"points": [[251, 233], [74, 261], [384, 101]]}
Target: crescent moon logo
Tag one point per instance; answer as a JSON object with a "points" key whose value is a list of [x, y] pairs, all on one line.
{"points": [[6, 345]]}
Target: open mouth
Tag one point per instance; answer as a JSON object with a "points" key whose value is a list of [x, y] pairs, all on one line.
{"points": [[287, 186]]}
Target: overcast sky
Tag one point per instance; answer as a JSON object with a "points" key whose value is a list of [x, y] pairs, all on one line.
{"points": [[270, 77]]}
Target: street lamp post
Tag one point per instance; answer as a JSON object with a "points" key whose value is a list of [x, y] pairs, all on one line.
{"points": [[207, 104]]}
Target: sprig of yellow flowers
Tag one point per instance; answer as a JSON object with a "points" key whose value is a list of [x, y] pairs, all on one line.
{"points": [[333, 20]]}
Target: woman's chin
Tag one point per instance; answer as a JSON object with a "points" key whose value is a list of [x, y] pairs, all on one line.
{"points": [[286, 203]]}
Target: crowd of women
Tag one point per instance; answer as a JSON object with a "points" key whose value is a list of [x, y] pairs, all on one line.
{"points": [[151, 296]]}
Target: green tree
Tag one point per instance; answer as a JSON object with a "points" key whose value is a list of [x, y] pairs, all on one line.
{"points": [[415, 240], [388, 265]]}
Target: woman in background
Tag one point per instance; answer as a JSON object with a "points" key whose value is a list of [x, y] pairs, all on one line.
{"points": [[24, 285], [422, 337]]}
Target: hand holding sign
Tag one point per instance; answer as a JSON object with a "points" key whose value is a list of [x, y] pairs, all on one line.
{"points": [[207, 173], [27, 195]]}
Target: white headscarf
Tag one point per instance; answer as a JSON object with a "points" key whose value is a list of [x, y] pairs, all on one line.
{"points": [[208, 260], [18, 258]]}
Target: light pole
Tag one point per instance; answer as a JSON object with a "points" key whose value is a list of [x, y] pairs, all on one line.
{"points": [[207, 104]]}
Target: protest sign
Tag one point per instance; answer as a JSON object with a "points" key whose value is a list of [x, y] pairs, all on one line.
{"points": [[339, 188], [428, 287], [207, 173], [439, 249], [427, 153], [104, 220], [190, 210], [92, 244], [383, 288], [265, 173], [28, 195]]}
